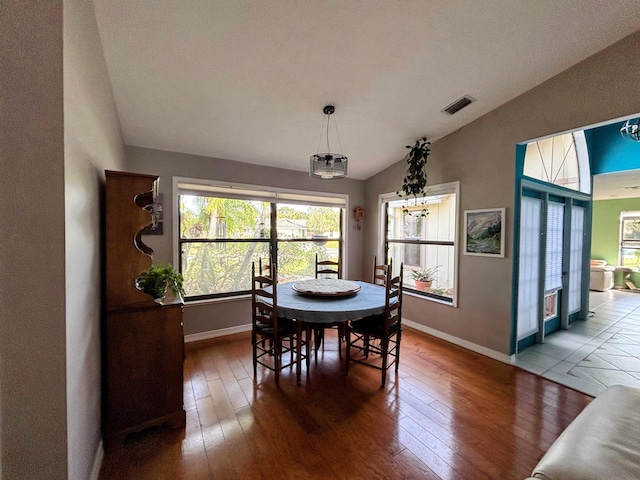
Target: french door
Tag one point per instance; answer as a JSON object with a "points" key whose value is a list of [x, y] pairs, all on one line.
{"points": [[553, 267]]}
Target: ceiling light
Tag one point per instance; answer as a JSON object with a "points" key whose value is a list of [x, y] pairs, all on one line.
{"points": [[630, 129], [328, 166]]}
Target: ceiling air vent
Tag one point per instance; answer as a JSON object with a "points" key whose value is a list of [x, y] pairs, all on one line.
{"points": [[458, 105]]}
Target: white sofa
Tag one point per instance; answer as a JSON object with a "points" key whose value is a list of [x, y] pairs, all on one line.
{"points": [[601, 276], [600, 444]]}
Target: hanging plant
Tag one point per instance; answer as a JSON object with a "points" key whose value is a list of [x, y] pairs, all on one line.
{"points": [[415, 180]]}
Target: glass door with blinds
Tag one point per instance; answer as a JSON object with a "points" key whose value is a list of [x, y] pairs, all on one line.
{"points": [[552, 280]]}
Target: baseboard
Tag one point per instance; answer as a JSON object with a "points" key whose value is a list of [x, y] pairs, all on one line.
{"points": [[97, 462], [196, 337], [487, 352]]}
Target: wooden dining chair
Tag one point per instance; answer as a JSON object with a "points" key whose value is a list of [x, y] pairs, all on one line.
{"points": [[379, 277], [327, 269], [273, 336], [385, 327], [380, 271]]}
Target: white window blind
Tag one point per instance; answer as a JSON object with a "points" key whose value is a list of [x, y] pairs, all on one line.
{"points": [[249, 193], [529, 264], [553, 261], [575, 258]]}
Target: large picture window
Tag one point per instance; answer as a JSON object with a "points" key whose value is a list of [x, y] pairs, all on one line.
{"points": [[424, 242], [222, 230]]}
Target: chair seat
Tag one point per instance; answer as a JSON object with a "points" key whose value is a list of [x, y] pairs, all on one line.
{"points": [[373, 325], [286, 326]]}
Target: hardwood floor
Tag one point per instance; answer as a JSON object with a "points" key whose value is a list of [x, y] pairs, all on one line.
{"points": [[449, 413]]}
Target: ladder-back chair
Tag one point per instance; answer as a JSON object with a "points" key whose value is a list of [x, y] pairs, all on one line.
{"points": [[327, 269], [272, 336], [385, 327]]}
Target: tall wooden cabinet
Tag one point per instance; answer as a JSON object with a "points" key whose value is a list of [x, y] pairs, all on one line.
{"points": [[143, 342]]}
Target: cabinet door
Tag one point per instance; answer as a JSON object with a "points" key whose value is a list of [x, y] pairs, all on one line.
{"points": [[144, 374]]}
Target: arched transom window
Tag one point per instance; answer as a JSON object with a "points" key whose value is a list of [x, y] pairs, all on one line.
{"points": [[561, 160]]}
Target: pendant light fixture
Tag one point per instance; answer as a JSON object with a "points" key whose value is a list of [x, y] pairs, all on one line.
{"points": [[631, 129], [328, 166]]}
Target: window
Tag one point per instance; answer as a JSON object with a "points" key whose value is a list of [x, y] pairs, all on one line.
{"points": [[630, 239], [223, 229], [561, 160], [424, 242]]}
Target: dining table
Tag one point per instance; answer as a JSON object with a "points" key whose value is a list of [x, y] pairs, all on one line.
{"points": [[349, 300]]}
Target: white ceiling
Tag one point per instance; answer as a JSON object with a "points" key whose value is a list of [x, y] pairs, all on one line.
{"points": [[617, 185], [247, 79]]}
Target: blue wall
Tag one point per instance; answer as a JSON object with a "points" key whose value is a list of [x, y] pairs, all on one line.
{"points": [[609, 151]]}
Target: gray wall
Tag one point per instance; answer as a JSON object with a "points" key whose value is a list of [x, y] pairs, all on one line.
{"points": [[481, 156], [33, 411], [229, 313], [59, 131], [92, 143]]}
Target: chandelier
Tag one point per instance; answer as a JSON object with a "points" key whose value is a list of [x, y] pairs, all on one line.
{"points": [[631, 130], [328, 166]]}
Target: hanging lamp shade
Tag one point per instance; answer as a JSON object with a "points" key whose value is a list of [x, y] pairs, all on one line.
{"points": [[631, 129], [328, 166]]}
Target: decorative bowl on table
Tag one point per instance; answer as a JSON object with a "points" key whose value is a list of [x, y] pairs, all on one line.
{"points": [[326, 287]]}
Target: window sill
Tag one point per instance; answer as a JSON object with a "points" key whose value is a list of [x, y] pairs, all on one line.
{"points": [[415, 294], [214, 301]]}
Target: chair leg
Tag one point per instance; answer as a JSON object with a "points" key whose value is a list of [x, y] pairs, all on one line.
{"points": [[398, 337], [254, 346], [348, 347], [384, 347], [300, 328], [277, 353], [308, 345], [318, 335]]}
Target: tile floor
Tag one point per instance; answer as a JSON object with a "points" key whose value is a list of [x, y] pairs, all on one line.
{"points": [[594, 354]]}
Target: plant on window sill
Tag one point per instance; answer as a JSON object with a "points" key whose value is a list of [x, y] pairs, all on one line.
{"points": [[415, 180], [425, 277]]}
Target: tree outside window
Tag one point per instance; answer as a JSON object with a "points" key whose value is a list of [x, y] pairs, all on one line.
{"points": [[221, 237]]}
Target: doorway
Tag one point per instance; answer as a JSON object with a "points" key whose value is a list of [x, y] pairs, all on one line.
{"points": [[553, 237], [552, 256]]}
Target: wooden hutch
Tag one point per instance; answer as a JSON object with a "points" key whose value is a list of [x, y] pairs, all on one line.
{"points": [[143, 342]]}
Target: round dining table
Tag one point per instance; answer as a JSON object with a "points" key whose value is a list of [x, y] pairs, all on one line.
{"points": [[368, 300]]}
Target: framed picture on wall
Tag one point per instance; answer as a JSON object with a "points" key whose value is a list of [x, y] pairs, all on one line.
{"points": [[484, 232]]}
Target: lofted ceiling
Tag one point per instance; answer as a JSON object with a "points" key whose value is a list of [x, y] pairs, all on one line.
{"points": [[247, 80]]}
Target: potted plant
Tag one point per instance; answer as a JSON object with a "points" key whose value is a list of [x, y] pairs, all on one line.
{"points": [[424, 278], [157, 279], [415, 180]]}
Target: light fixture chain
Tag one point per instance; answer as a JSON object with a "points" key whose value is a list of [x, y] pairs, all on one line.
{"points": [[328, 121], [321, 130], [335, 123]]}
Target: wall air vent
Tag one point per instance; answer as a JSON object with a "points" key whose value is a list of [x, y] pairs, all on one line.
{"points": [[458, 105]]}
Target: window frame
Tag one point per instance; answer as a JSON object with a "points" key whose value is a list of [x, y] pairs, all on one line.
{"points": [[383, 242], [273, 195], [627, 216]]}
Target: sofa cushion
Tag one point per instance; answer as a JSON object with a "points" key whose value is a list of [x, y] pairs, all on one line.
{"points": [[600, 443]]}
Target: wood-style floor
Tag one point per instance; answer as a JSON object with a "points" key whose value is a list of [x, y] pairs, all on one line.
{"points": [[449, 413]]}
